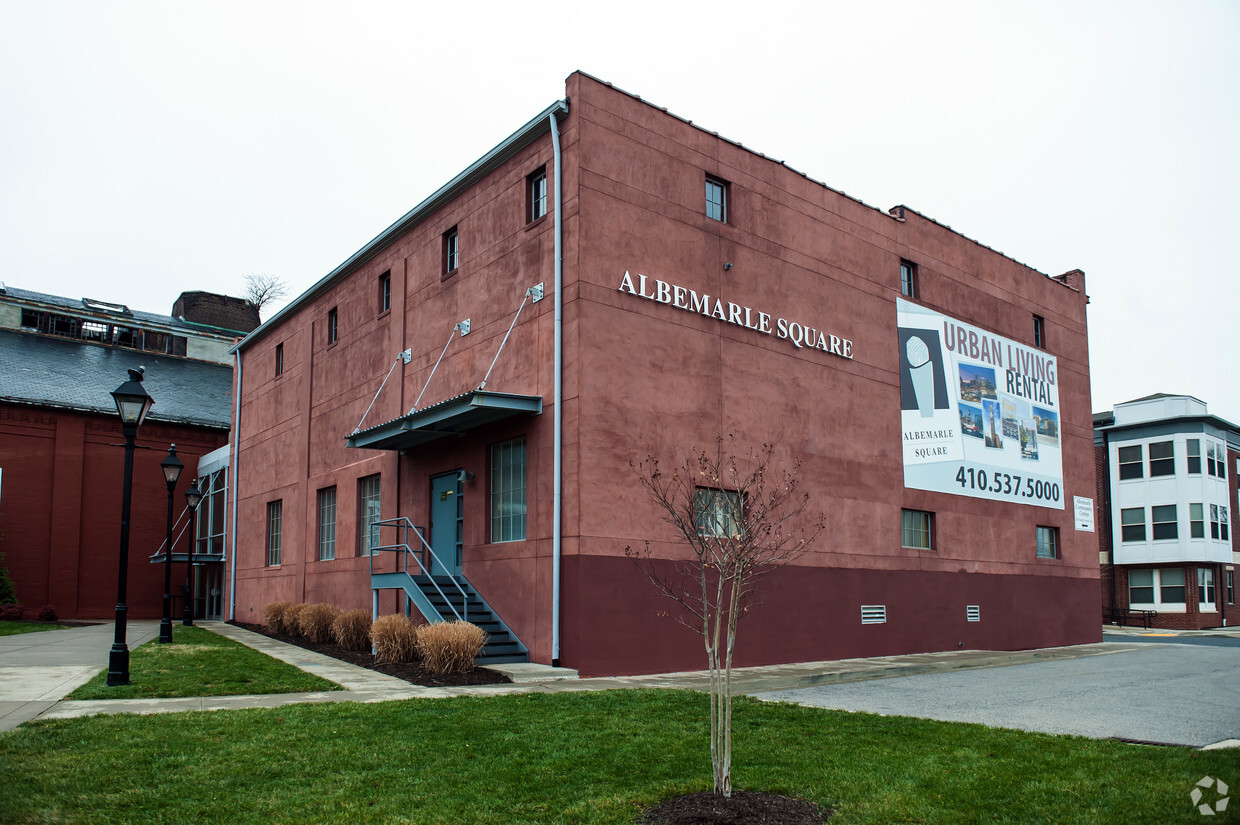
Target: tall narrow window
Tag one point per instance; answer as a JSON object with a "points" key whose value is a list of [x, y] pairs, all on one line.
{"points": [[908, 279], [1219, 528], [1196, 521], [717, 199], [451, 251], [718, 512], [1164, 518], [1231, 586], [1132, 524], [275, 515], [327, 523], [1130, 459], [508, 491], [385, 292], [280, 359], [1193, 450], [333, 328], [1205, 588], [368, 499], [915, 529], [1039, 332], [1162, 458], [1048, 542], [536, 187]]}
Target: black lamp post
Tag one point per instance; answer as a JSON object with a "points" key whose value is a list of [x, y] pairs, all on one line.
{"points": [[192, 496], [133, 403], [172, 467]]}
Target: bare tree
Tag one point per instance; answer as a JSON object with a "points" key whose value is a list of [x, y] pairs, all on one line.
{"points": [[261, 290], [741, 520]]}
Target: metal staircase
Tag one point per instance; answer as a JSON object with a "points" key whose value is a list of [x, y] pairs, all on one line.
{"points": [[439, 597]]}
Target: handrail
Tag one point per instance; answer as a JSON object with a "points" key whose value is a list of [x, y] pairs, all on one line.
{"points": [[403, 523]]}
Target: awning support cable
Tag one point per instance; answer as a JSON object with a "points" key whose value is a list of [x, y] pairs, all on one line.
{"points": [[405, 356], [537, 293], [463, 326]]}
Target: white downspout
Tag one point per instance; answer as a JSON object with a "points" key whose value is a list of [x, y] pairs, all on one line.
{"points": [[234, 439], [559, 400]]}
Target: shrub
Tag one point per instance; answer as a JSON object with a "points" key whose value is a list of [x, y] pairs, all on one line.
{"points": [[8, 595], [316, 622], [292, 613], [47, 614], [395, 638], [274, 616], [10, 612], [351, 630], [450, 647]]}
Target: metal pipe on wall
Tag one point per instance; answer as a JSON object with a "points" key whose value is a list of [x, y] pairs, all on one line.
{"points": [[557, 450]]}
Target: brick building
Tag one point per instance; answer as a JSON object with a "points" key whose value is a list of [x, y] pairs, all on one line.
{"points": [[612, 282]]}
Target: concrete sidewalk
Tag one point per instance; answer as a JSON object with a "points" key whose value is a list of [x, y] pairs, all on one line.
{"points": [[37, 670]]}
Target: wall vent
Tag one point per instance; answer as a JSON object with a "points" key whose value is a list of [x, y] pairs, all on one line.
{"points": [[973, 612], [873, 613]]}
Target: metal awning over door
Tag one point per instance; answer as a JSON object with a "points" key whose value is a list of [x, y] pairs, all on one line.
{"points": [[454, 417]]}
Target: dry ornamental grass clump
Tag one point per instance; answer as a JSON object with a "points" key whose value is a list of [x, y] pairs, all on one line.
{"points": [[292, 619], [450, 647], [395, 639], [316, 622], [351, 630], [274, 616]]}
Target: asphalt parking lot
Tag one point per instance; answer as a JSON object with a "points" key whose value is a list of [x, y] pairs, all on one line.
{"points": [[1182, 691]]}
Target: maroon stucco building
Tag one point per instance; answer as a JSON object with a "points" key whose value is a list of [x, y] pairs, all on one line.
{"points": [[616, 281]]}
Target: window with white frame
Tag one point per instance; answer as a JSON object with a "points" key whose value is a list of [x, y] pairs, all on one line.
{"points": [[536, 186], [508, 491], [1164, 518], [368, 498], [717, 199], [1219, 528], [327, 524], [908, 279], [1130, 462], [1048, 542], [717, 512], [1132, 524], [916, 529], [1196, 521], [1192, 448], [275, 517], [1231, 586], [451, 251], [1205, 588], [1153, 588], [1039, 332], [1216, 460], [1162, 458]]}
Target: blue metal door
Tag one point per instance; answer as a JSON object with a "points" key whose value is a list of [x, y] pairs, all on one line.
{"points": [[447, 517]]}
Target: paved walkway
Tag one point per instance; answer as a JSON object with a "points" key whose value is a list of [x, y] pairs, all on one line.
{"points": [[38, 669]]}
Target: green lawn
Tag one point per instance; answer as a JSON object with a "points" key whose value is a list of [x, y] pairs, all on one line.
{"points": [[201, 663], [15, 628], [574, 758]]}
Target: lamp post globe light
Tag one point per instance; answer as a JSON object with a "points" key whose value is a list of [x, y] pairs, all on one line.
{"points": [[172, 466], [192, 496], [133, 403]]}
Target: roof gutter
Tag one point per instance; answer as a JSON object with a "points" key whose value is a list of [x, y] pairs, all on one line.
{"points": [[514, 143], [557, 481]]}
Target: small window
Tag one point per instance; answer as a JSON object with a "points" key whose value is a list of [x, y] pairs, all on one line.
{"points": [[1205, 588], [508, 504], [368, 506], [718, 512], [1132, 524], [1193, 449], [333, 328], [717, 199], [280, 359], [1039, 332], [1231, 586], [1130, 462], [536, 188], [1048, 542], [1171, 585], [275, 514], [1162, 458], [327, 524], [915, 529], [385, 292], [1164, 518], [451, 251], [908, 279], [1140, 586], [1196, 521]]}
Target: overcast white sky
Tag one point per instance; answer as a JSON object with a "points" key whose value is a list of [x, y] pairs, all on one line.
{"points": [[148, 148]]}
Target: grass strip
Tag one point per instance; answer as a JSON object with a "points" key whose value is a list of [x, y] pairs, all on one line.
{"points": [[201, 663], [17, 628], [575, 758]]}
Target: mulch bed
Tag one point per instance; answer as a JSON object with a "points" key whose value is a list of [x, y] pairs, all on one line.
{"points": [[741, 808], [413, 673]]}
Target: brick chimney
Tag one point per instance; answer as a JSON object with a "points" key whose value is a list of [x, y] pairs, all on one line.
{"points": [[223, 311]]}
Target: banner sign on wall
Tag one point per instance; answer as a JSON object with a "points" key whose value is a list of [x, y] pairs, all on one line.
{"points": [[979, 412]]}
